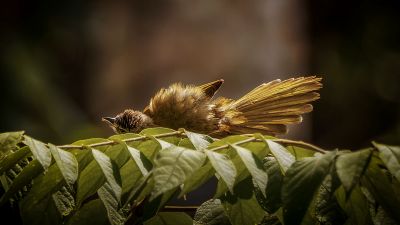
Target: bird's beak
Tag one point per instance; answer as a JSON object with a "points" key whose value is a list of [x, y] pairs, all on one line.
{"points": [[109, 120]]}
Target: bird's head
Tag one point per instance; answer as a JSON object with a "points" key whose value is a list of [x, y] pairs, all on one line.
{"points": [[129, 121]]}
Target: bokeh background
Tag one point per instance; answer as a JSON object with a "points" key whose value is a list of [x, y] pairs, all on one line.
{"points": [[65, 64]]}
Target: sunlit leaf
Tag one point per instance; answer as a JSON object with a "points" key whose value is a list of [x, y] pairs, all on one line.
{"points": [[89, 184], [8, 141], [130, 177], [390, 155], [90, 141], [174, 139], [66, 162], [299, 152], [141, 161], [163, 143], [254, 166], [110, 173], [223, 166], [173, 166], [284, 158], [272, 199], [39, 151], [200, 141]]}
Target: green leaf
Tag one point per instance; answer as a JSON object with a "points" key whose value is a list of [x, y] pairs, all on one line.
{"points": [[118, 153], [156, 130], [376, 213], [124, 136], [64, 201], [259, 149], [153, 206], [145, 187], [186, 143], [200, 141], [149, 148], [355, 206], [66, 162], [272, 199], [39, 151], [170, 218], [351, 166], [9, 141], [254, 166], [242, 208], [161, 130], [44, 185], [325, 208], [390, 155], [221, 187], [381, 188], [223, 166], [199, 177], [24, 178], [45, 212], [90, 141], [13, 158], [302, 180], [111, 174], [299, 152], [211, 212], [141, 161], [162, 143], [130, 177], [173, 166], [92, 178], [284, 158], [227, 140], [111, 202], [92, 212]]}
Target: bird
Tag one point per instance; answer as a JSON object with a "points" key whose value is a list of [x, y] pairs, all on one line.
{"points": [[267, 109]]}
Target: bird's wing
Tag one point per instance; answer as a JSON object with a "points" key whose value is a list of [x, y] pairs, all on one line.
{"points": [[211, 88]]}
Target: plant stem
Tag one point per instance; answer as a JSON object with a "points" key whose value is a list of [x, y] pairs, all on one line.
{"points": [[300, 144], [281, 141], [124, 140], [181, 132]]}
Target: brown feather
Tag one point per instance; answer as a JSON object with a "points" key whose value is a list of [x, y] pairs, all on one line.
{"points": [[267, 109], [271, 106], [210, 89]]}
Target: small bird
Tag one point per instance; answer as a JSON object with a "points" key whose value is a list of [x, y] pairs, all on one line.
{"points": [[267, 109]]}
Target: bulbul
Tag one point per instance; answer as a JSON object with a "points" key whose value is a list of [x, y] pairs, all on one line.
{"points": [[267, 109]]}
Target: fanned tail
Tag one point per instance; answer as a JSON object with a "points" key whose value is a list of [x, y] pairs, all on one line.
{"points": [[270, 107]]}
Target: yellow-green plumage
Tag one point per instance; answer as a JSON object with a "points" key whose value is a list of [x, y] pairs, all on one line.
{"points": [[266, 109]]}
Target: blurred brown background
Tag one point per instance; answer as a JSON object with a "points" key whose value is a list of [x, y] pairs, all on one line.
{"points": [[65, 64]]}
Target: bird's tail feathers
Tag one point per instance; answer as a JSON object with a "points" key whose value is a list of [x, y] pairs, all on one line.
{"points": [[270, 107]]}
